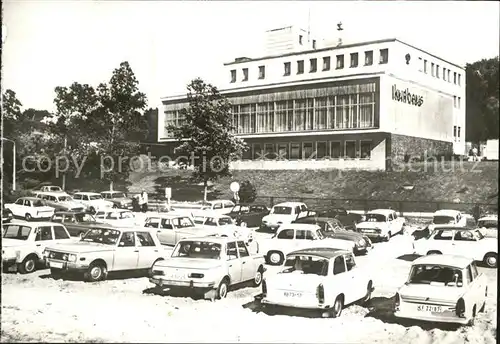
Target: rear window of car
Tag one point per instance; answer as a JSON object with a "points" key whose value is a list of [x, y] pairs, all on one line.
{"points": [[488, 224], [16, 232], [442, 220]]}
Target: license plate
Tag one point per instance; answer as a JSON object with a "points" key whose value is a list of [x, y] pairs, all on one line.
{"points": [[292, 294], [56, 265], [429, 308], [176, 277]]}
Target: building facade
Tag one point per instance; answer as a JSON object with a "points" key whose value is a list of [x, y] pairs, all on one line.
{"points": [[362, 105]]}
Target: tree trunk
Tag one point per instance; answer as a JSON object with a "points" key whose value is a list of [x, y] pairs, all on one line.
{"points": [[205, 184], [64, 173]]}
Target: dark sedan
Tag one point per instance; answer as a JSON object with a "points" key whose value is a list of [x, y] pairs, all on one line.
{"points": [[77, 223], [249, 214], [349, 220], [333, 228]]}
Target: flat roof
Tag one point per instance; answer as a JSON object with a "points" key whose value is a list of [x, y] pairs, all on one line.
{"points": [[385, 40], [444, 259], [323, 252]]}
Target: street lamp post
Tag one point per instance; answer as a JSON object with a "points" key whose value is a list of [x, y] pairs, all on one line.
{"points": [[13, 162]]}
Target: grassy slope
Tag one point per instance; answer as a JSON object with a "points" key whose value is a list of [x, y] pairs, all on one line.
{"points": [[464, 184]]}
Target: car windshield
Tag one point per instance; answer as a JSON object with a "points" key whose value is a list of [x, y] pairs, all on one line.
{"points": [[57, 218], [64, 198], [101, 236], [94, 197], [375, 218], [55, 188], [279, 210], [435, 275], [118, 195], [442, 220], [306, 265], [18, 232], [37, 203], [488, 224], [197, 249], [84, 218]]}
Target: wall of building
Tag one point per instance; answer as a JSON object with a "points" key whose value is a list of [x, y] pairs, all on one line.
{"points": [[428, 114], [417, 148]]}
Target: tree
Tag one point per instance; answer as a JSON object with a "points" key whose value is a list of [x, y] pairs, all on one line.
{"points": [[207, 124], [482, 100], [247, 193], [11, 112], [118, 123]]}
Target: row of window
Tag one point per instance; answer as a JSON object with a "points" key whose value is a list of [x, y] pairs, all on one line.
{"points": [[311, 150], [438, 72], [456, 102], [313, 65], [456, 133], [355, 111]]}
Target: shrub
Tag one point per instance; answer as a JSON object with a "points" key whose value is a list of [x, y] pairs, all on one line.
{"points": [[247, 192]]}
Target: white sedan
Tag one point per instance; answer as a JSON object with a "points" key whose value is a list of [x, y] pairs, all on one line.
{"points": [[115, 217], [324, 279], [442, 288]]}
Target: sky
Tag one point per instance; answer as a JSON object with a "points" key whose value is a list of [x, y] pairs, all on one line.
{"points": [[169, 43]]}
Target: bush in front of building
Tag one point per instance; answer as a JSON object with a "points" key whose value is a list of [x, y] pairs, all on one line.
{"points": [[247, 192]]}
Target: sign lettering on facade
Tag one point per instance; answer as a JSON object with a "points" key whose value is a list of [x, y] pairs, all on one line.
{"points": [[405, 96]]}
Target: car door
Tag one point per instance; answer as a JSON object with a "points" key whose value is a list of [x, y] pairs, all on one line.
{"points": [[247, 262], [233, 262], [69, 221], [60, 234], [479, 284], [44, 237], [358, 279], [166, 232], [284, 241], [343, 279], [17, 208], [303, 239], [27, 207], [127, 253], [464, 244], [442, 241], [148, 251]]}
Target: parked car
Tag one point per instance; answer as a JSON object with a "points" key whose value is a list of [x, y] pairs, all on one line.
{"points": [[173, 227], [442, 288], [209, 265], [60, 201], [249, 215], [323, 279], [448, 217], [6, 215], [349, 220], [93, 201], [23, 243], [220, 206], [29, 208], [421, 233], [295, 236], [118, 198], [283, 213], [381, 224], [115, 217], [77, 223], [488, 225], [106, 249], [333, 228], [455, 240], [223, 225], [47, 188]]}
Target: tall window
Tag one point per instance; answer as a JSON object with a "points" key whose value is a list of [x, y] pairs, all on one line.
{"points": [[455, 78], [331, 111], [309, 114], [366, 149], [295, 150], [281, 124], [314, 44], [342, 112], [287, 66], [384, 56], [449, 75], [257, 151], [366, 110], [321, 113], [289, 115], [455, 132], [335, 150], [233, 75], [326, 63], [282, 151], [321, 149], [437, 71], [458, 134], [314, 65], [307, 150], [368, 58], [269, 152], [245, 74], [340, 61], [425, 66], [420, 64], [300, 67], [299, 114], [262, 72], [354, 60], [350, 149], [459, 79], [353, 111], [245, 124], [444, 74], [300, 39], [432, 69]]}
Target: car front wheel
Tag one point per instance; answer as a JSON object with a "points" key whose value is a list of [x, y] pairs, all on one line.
{"points": [[491, 260]]}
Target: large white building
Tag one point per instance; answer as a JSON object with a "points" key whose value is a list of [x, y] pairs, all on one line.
{"points": [[310, 104]]}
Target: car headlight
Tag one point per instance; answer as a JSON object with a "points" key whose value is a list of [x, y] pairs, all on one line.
{"points": [[361, 242], [72, 258], [45, 252], [52, 254]]}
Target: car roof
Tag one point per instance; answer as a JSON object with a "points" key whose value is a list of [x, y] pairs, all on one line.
{"points": [[381, 211], [288, 204], [299, 226], [317, 218], [114, 191], [211, 238], [32, 224], [30, 198], [87, 193], [167, 215], [53, 193], [446, 212], [323, 252], [489, 217], [452, 226], [444, 259], [67, 212]]}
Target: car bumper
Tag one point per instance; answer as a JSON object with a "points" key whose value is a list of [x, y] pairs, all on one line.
{"points": [[65, 266], [446, 317], [371, 235], [265, 302], [9, 263], [181, 284]]}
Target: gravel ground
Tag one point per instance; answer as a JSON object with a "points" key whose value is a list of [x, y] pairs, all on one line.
{"points": [[38, 308]]}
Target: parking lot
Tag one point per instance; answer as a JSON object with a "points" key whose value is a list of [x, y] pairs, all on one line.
{"points": [[36, 307]]}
